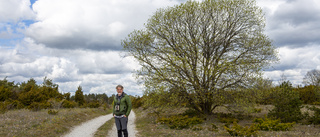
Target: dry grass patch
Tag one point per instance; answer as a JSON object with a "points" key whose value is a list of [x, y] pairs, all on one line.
{"points": [[105, 128], [28, 123], [212, 126]]}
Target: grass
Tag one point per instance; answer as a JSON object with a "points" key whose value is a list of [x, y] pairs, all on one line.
{"points": [[105, 128], [28, 123], [147, 126]]}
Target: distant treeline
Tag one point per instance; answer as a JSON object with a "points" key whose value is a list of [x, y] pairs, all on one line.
{"points": [[35, 97]]}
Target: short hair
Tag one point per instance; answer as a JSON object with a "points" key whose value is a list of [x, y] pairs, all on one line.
{"points": [[119, 86]]}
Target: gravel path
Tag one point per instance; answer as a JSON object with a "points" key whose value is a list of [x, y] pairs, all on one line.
{"points": [[131, 127], [87, 129]]}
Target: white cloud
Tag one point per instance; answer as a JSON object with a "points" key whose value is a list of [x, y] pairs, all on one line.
{"points": [[15, 10], [292, 22], [295, 63], [77, 42], [96, 24]]}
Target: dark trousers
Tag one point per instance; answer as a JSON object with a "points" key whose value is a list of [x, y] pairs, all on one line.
{"points": [[121, 124]]}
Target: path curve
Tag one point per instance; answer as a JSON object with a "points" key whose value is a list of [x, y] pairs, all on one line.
{"points": [[87, 129], [131, 127]]}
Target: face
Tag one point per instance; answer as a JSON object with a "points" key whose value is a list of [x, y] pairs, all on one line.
{"points": [[119, 90]]}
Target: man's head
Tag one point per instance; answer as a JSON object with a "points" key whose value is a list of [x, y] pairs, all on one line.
{"points": [[119, 89]]}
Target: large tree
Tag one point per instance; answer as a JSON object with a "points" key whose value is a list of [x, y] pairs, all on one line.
{"points": [[312, 78], [198, 50]]}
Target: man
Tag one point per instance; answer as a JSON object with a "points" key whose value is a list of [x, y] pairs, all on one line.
{"points": [[121, 110]]}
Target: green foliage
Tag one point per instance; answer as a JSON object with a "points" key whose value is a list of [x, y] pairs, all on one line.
{"points": [[287, 104], [179, 121], [95, 104], [66, 96], [160, 100], [68, 104], [315, 118], [35, 97], [36, 106], [267, 124], [52, 112], [257, 110], [3, 108], [228, 120], [237, 130], [229, 117], [309, 94], [136, 102], [198, 49], [197, 128], [260, 89], [213, 127], [79, 97]]}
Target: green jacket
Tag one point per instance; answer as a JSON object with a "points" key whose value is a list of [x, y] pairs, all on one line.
{"points": [[125, 105]]}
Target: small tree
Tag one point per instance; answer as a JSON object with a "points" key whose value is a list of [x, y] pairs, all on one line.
{"points": [[79, 97], [287, 103]]}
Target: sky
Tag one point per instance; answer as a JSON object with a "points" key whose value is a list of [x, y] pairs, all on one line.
{"points": [[78, 42]]}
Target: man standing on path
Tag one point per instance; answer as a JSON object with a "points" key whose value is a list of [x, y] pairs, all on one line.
{"points": [[121, 110]]}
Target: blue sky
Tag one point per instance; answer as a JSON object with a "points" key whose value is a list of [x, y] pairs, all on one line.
{"points": [[77, 42]]}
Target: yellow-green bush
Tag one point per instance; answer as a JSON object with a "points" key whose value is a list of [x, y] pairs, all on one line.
{"points": [[3, 109], [257, 110], [136, 102], [36, 106], [197, 128], [308, 94], [237, 130], [95, 104], [68, 104], [179, 121], [213, 127], [52, 112], [267, 124], [227, 118]]}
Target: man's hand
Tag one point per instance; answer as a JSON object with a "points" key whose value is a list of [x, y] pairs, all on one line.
{"points": [[124, 116]]}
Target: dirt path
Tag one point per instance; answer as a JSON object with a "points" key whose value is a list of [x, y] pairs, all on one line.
{"points": [[87, 129], [131, 127]]}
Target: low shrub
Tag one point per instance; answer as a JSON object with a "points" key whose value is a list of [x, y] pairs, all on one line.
{"points": [[94, 104], [179, 121], [10, 105], [237, 130], [316, 103], [3, 109], [257, 110], [197, 128], [68, 104], [267, 124], [36, 106], [52, 112], [213, 127], [315, 118], [227, 118]]}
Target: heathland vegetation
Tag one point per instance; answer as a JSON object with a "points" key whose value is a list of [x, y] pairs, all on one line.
{"points": [[201, 57], [30, 95], [202, 66], [264, 109], [31, 109]]}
